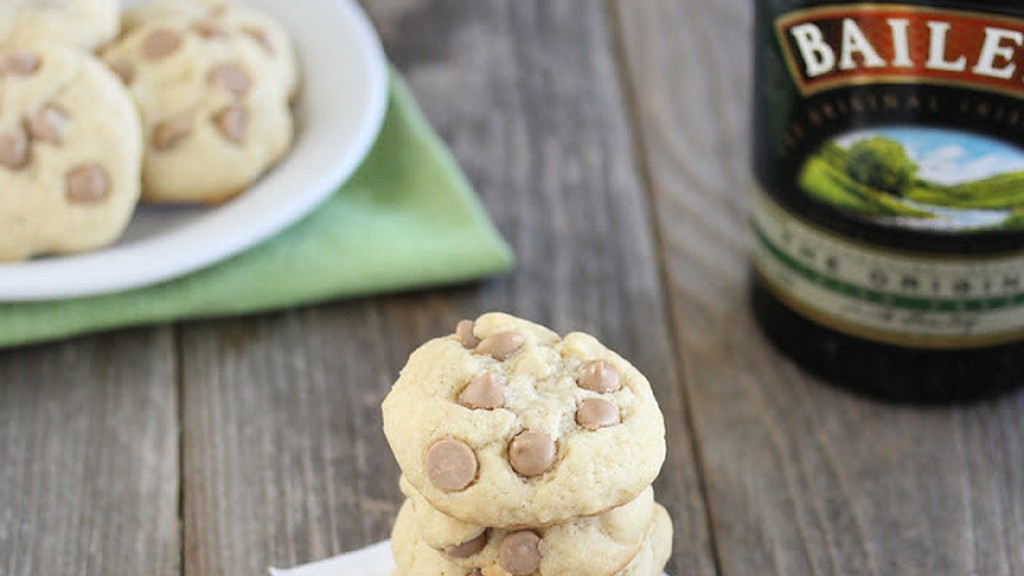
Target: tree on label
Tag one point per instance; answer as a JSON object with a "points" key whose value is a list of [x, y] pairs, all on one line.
{"points": [[883, 164]]}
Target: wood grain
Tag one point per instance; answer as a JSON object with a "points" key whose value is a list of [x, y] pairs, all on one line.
{"points": [[277, 461], [284, 460], [802, 479], [89, 457]]}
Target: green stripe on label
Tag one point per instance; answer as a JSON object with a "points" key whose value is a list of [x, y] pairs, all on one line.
{"points": [[889, 299]]}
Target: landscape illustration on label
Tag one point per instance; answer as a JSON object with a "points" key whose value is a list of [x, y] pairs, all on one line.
{"points": [[920, 178]]}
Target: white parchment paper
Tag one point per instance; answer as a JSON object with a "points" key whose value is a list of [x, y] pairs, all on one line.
{"points": [[373, 561]]}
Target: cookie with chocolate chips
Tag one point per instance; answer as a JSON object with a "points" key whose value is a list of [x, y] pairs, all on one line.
{"points": [[70, 152], [601, 544], [85, 24], [215, 109], [222, 19], [505, 424], [526, 552]]}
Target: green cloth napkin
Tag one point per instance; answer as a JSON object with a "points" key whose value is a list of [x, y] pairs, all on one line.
{"points": [[406, 219]]}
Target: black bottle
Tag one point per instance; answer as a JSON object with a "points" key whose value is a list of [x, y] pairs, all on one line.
{"points": [[888, 213]]}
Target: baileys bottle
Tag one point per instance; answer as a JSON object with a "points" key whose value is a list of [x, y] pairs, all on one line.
{"points": [[888, 211]]}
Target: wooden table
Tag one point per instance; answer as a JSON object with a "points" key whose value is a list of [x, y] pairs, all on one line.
{"points": [[610, 142]]}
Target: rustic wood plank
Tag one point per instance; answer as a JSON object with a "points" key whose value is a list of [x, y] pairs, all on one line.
{"points": [[89, 457], [803, 479], [284, 458], [274, 468]]}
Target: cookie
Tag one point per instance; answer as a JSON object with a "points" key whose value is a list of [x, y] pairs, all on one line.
{"points": [[220, 17], [612, 538], [135, 16], [215, 117], [70, 152], [414, 558], [85, 24], [657, 550], [505, 424]]}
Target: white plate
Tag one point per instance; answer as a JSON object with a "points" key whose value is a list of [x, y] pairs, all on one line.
{"points": [[344, 96]]}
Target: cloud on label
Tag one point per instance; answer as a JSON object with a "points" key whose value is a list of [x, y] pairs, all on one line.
{"points": [[947, 156]]}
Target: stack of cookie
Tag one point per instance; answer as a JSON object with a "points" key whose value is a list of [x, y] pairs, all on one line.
{"points": [[524, 454], [188, 102]]}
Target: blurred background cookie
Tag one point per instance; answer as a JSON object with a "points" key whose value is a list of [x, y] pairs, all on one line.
{"points": [[220, 17], [155, 9], [214, 107], [70, 152], [86, 24]]}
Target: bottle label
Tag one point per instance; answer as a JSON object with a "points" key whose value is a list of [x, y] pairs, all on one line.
{"points": [[844, 45], [887, 296], [889, 154]]}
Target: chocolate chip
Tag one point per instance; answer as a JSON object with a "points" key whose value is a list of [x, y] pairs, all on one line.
{"points": [[532, 453], [485, 392], [260, 36], [232, 123], [467, 549], [231, 77], [88, 184], [476, 572], [123, 70], [451, 465], [501, 346], [598, 376], [13, 148], [210, 30], [20, 63], [520, 553], [464, 333], [596, 413], [161, 43], [170, 133], [48, 124]]}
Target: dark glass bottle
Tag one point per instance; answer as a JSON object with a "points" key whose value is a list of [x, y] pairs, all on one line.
{"points": [[888, 216]]}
